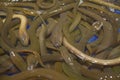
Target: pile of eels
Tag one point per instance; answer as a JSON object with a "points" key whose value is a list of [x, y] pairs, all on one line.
{"points": [[59, 40]]}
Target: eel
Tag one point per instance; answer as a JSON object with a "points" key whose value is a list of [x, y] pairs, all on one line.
{"points": [[47, 73], [45, 5]]}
